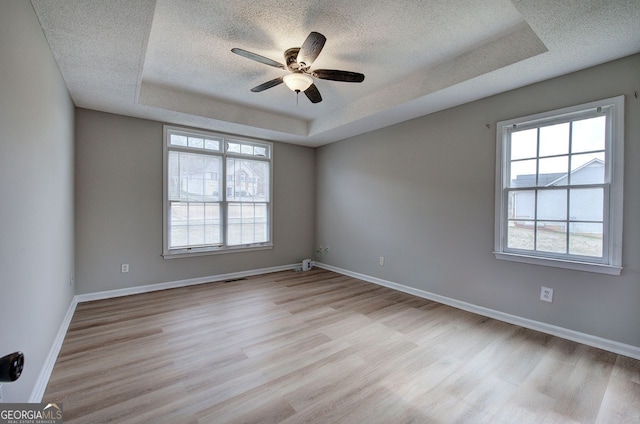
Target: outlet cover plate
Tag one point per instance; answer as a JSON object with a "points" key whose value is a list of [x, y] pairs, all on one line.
{"points": [[546, 294]]}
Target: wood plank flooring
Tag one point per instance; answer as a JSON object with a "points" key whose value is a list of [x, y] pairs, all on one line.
{"points": [[319, 347]]}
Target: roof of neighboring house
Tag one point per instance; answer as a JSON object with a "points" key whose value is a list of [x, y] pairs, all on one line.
{"points": [[529, 180], [594, 161]]}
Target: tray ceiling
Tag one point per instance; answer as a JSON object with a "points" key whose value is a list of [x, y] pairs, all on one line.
{"points": [[171, 60]]}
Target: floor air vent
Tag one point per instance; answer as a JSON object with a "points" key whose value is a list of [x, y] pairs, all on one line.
{"points": [[234, 280]]}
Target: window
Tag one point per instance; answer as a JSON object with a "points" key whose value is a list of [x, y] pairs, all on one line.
{"points": [[205, 214], [559, 183]]}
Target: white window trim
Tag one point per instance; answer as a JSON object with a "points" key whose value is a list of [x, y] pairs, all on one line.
{"points": [[211, 250], [615, 156]]}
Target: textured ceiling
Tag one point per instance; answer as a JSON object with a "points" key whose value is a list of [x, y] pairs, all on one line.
{"points": [[171, 60]]}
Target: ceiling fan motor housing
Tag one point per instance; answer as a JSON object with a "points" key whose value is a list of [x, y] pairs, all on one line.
{"points": [[291, 59]]}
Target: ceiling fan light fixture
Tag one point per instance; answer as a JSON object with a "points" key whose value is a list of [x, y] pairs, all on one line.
{"points": [[298, 82]]}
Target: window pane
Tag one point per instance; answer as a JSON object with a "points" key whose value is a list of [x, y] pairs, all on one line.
{"points": [[196, 214], [588, 134], [212, 213], [553, 171], [174, 176], [520, 235], [587, 168], [233, 168], [234, 224], [523, 173], [212, 144], [196, 142], [211, 178], [262, 225], [551, 237], [522, 204], [260, 184], [195, 177], [233, 147], [179, 236], [179, 213], [196, 224], [246, 149], [179, 222], [212, 229], [554, 140], [212, 235], [586, 204], [552, 204], [247, 223], [196, 235], [248, 180], [585, 239], [178, 140], [524, 144]]}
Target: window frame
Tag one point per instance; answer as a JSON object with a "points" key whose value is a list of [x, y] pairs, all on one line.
{"points": [[611, 262], [168, 253]]}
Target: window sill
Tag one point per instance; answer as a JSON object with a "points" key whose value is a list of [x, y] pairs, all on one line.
{"points": [[559, 263], [218, 251]]}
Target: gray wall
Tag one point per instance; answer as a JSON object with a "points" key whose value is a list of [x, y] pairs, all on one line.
{"points": [[119, 208], [421, 194], [36, 188]]}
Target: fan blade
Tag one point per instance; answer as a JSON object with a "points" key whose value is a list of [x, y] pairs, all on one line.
{"points": [[267, 85], [313, 94], [257, 58], [310, 49], [335, 75]]}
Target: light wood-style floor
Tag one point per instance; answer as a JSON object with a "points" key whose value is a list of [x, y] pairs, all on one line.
{"points": [[319, 347]]}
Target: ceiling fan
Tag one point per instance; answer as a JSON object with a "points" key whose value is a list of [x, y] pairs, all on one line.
{"points": [[298, 61]]}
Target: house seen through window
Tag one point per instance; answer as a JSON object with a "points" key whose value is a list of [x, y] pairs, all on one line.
{"points": [[204, 213]]}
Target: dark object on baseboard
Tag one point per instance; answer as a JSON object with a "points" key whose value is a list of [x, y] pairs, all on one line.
{"points": [[11, 366]]}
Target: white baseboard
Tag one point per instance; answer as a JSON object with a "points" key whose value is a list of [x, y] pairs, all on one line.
{"points": [[180, 283], [47, 368], [576, 336]]}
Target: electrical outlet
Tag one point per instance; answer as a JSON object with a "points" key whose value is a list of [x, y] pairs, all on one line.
{"points": [[381, 260], [546, 294], [326, 249], [124, 268]]}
